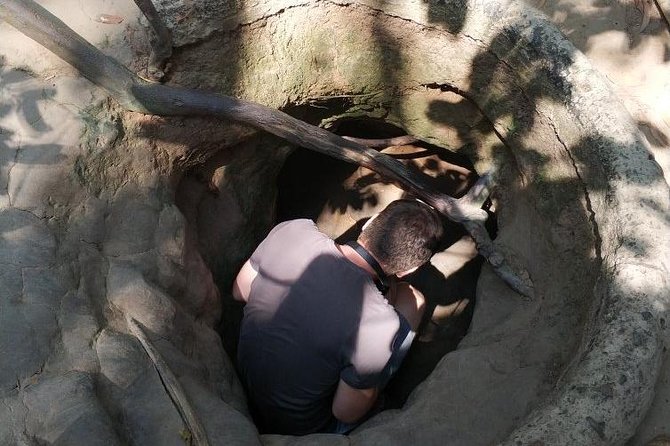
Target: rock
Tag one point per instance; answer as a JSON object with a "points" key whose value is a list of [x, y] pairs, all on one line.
{"points": [[169, 237], [26, 240], [130, 226], [130, 293], [13, 414], [86, 223], [591, 229], [133, 391], [63, 410], [321, 439], [29, 322], [35, 179], [44, 138], [7, 160], [224, 425], [78, 327]]}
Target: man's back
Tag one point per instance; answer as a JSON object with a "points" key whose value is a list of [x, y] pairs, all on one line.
{"points": [[312, 318]]}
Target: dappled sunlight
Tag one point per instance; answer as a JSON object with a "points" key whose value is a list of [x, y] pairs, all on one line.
{"points": [[84, 17], [343, 197], [634, 59], [151, 217], [581, 20], [39, 135]]}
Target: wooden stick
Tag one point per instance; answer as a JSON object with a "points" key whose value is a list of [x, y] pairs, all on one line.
{"points": [[172, 385], [135, 94], [161, 48], [383, 143]]}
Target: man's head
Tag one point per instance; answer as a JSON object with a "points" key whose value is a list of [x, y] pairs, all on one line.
{"points": [[403, 236]]}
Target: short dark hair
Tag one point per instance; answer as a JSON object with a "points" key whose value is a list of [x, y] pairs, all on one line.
{"points": [[403, 236]]}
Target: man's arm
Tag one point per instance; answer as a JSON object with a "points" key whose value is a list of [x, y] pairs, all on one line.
{"points": [[242, 284], [351, 404]]}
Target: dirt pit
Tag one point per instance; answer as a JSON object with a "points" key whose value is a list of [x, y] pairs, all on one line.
{"points": [[340, 197]]}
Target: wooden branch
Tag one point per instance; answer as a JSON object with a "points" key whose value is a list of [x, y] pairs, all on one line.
{"points": [[135, 94], [663, 6], [161, 48], [383, 143], [171, 384]]}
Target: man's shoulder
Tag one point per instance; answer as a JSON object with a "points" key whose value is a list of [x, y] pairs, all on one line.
{"points": [[300, 237], [297, 225]]}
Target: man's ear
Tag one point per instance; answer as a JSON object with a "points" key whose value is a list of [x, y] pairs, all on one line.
{"points": [[367, 223], [408, 272]]}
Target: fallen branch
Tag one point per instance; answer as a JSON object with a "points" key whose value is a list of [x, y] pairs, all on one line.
{"points": [[663, 6], [172, 385], [135, 94], [383, 143], [161, 48]]}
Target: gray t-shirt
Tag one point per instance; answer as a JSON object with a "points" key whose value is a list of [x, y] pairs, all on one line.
{"points": [[312, 318]]}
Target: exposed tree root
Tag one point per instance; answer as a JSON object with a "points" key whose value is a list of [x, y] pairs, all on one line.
{"points": [[172, 385], [663, 14], [383, 143], [135, 94], [161, 48]]}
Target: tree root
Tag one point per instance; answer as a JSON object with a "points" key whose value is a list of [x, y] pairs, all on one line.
{"points": [[383, 143], [172, 385], [135, 94], [161, 48]]}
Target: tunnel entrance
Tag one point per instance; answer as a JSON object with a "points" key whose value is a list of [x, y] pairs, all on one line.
{"points": [[233, 199], [340, 197]]}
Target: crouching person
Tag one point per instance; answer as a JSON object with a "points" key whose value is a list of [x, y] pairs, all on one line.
{"points": [[325, 326]]}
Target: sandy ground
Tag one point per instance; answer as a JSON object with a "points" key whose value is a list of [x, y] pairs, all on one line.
{"points": [[632, 54]]}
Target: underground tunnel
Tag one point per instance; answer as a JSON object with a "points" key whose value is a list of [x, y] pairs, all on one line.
{"points": [[131, 220]]}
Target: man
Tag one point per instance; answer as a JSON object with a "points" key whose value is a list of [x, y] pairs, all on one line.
{"points": [[326, 325]]}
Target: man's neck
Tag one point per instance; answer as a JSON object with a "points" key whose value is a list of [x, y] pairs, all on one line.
{"points": [[355, 258]]}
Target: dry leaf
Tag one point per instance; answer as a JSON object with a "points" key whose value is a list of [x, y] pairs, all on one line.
{"points": [[109, 19]]}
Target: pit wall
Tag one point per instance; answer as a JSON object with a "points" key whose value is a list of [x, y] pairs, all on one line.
{"points": [[581, 205]]}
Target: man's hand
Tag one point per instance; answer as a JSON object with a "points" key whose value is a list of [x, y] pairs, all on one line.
{"points": [[351, 404], [242, 284]]}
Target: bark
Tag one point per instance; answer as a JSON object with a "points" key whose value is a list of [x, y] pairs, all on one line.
{"points": [[161, 48], [383, 143], [135, 94], [172, 386]]}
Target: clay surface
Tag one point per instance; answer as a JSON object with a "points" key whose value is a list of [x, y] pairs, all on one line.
{"points": [[106, 214]]}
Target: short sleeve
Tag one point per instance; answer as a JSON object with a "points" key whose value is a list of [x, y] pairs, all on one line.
{"points": [[373, 350], [258, 254], [360, 381]]}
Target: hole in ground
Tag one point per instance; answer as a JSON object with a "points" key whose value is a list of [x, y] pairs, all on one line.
{"points": [[230, 203], [340, 197]]}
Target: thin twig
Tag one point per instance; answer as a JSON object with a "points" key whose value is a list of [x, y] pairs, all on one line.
{"points": [[172, 385], [161, 48], [664, 16]]}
